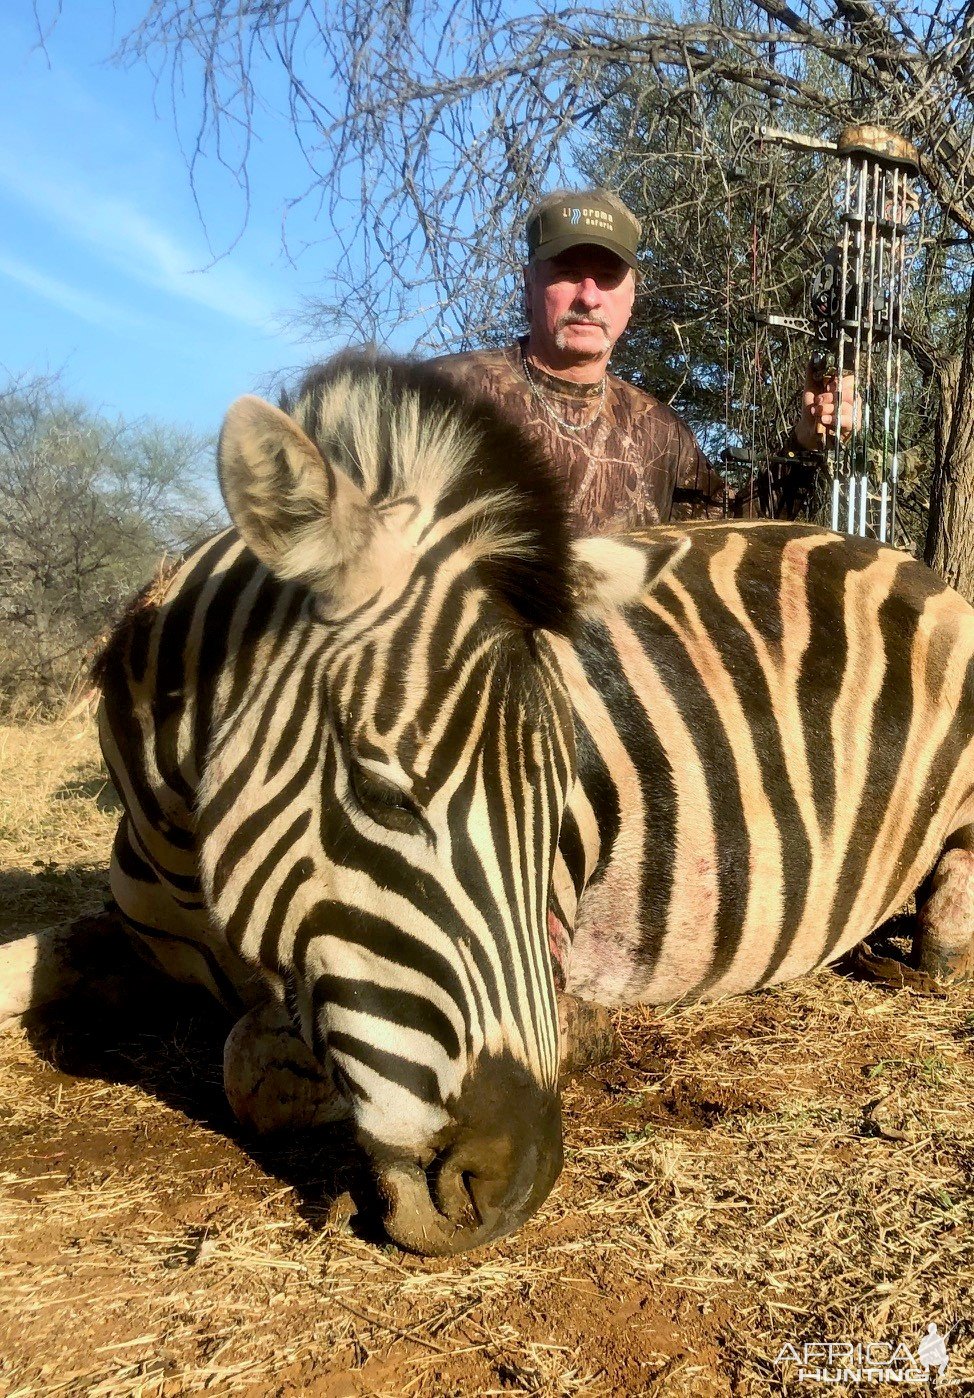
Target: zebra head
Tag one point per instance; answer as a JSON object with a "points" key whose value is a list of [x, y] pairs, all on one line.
{"points": [[432, 750]]}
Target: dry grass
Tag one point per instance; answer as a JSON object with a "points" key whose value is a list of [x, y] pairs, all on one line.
{"points": [[792, 1166], [58, 814]]}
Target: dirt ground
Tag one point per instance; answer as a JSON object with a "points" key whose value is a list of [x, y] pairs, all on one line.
{"points": [[789, 1168]]}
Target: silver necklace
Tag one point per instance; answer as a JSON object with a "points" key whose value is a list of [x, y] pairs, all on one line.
{"points": [[538, 392]]}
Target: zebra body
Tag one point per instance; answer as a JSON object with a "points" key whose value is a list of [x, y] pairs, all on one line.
{"points": [[396, 758], [782, 742]]}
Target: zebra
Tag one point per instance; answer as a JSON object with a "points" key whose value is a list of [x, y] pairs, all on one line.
{"points": [[405, 767]]}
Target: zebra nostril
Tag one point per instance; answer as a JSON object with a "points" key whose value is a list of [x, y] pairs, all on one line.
{"points": [[475, 1182], [472, 1191], [451, 1188]]}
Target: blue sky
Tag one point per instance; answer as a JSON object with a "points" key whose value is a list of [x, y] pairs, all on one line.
{"points": [[106, 270]]}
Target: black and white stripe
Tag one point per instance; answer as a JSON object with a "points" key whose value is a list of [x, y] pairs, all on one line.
{"points": [[774, 748], [391, 738], [350, 793]]}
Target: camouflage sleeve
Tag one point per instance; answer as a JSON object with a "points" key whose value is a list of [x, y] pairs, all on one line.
{"points": [[464, 370], [700, 492]]}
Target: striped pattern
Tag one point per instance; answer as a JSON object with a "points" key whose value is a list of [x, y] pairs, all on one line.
{"points": [[353, 805], [370, 775], [773, 749]]}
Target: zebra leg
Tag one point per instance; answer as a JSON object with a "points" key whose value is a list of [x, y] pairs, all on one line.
{"points": [[944, 945], [273, 1081], [92, 955], [588, 1035]]}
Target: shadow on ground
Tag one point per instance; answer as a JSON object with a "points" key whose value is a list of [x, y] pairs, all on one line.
{"points": [[48, 895], [167, 1041]]}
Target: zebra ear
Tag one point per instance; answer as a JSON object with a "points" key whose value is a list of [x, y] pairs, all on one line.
{"points": [[610, 573], [303, 519]]}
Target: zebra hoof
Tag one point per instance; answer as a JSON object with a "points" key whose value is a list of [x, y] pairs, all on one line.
{"points": [[588, 1035], [272, 1080]]}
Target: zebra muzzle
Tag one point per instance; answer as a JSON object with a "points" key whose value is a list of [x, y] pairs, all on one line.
{"points": [[486, 1183]]}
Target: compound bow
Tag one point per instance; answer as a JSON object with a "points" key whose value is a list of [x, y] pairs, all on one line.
{"points": [[856, 317]]}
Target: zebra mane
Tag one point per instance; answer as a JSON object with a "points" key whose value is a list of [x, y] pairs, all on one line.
{"points": [[400, 430]]}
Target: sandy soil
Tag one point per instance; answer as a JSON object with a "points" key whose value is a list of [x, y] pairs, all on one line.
{"points": [[792, 1167]]}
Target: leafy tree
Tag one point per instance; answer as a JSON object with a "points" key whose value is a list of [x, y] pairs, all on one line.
{"points": [[86, 507]]}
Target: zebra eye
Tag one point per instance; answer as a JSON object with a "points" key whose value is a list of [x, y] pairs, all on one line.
{"points": [[385, 802]]}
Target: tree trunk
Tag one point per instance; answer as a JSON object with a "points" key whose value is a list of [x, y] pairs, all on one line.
{"points": [[949, 547], [43, 665]]}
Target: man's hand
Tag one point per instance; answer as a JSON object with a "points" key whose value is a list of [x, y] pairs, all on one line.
{"points": [[815, 428]]}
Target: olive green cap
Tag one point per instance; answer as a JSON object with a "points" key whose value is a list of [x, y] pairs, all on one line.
{"points": [[578, 219]]}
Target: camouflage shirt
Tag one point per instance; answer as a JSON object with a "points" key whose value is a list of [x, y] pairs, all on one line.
{"points": [[632, 463]]}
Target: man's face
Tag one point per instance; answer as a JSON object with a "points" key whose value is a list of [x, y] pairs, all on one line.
{"points": [[578, 304]]}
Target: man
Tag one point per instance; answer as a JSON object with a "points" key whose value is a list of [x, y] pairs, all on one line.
{"points": [[628, 459]]}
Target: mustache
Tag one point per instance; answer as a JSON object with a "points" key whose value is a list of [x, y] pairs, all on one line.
{"points": [[580, 318]]}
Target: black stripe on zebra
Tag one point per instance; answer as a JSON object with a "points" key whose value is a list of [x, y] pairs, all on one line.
{"points": [[393, 731]]}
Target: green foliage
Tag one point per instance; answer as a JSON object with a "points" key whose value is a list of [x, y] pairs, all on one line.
{"points": [[86, 508]]}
